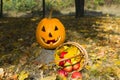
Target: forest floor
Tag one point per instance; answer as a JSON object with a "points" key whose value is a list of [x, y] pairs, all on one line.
{"points": [[100, 36], [113, 10], [98, 32]]}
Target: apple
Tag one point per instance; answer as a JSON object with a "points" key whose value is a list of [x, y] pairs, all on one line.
{"points": [[61, 63], [68, 65], [62, 54], [76, 75], [67, 62], [76, 66], [68, 68], [62, 73]]}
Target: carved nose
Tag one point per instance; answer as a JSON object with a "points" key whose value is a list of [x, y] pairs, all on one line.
{"points": [[50, 35]]}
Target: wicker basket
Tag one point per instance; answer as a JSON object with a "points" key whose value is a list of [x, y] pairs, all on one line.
{"points": [[83, 54]]}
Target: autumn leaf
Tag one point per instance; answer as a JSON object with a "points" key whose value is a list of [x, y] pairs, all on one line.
{"points": [[1, 72], [72, 51], [23, 75], [52, 77]]}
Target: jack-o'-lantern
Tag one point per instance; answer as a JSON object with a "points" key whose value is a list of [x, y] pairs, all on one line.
{"points": [[50, 33]]}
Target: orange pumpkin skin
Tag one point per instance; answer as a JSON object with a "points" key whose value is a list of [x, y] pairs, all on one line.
{"points": [[50, 33]]}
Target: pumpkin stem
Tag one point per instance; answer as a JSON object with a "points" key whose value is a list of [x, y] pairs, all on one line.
{"points": [[50, 14]]}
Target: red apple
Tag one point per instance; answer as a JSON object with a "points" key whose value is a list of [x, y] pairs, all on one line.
{"points": [[62, 54], [67, 68], [67, 62], [62, 73], [76, 66], [61, 63], [76, 75]]}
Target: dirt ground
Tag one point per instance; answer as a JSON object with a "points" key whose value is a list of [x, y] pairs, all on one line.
{"points": [[113, 10]]}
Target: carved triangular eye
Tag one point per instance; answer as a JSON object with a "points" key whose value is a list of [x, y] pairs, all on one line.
{"points": [[56, 28], [43, 29]]}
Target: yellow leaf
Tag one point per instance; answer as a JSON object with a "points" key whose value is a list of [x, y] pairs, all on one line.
{"points": [[1, 72], [72, 51], [88, 67], [23, 75], [117, 62], [56, 58], [53, 77], [116, 70], [34, 19]]}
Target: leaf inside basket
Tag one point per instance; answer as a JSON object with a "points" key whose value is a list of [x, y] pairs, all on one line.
{"points": [[72, 53]]}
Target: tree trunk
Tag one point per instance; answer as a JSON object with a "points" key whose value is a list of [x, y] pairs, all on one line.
{"points": [[43, 8], [1, 8], [79, 7]]}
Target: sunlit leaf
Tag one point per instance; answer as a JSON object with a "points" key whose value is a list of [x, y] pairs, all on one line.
{"points": [[23, 75], [1, 72]]}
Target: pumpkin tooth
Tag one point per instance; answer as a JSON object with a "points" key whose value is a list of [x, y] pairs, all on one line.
{"points": [[45, 41], [56, 39], [51, 42]]}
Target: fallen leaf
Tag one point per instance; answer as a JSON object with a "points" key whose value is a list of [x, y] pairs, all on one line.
{"points": [[1, 72], [23, 75]]}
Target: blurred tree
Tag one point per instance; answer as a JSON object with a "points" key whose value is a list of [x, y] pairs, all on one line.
{"points": [[79, 7], [43, 8], [1, 8]]}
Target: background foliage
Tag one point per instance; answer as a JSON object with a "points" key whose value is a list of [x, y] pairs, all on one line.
{"points": [[27, 5]]}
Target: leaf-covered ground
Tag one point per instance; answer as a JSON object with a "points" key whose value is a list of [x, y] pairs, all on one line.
{"points": [[100, 36]]}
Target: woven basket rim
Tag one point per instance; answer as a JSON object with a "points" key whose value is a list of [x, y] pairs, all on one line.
{"points": [[83, 51]]}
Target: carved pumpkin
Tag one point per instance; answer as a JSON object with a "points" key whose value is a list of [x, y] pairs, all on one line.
{"points": [[50, 33]]}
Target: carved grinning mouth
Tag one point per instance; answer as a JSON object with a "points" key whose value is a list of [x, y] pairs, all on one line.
{"points": [[50, 41]]}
